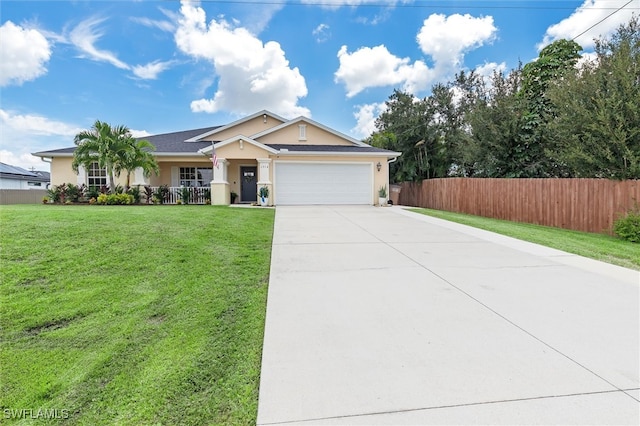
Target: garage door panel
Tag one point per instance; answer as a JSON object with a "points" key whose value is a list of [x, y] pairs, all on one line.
{"points": [[323, 183]]}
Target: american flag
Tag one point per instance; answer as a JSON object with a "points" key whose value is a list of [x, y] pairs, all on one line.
{"points": [[214, 157]]}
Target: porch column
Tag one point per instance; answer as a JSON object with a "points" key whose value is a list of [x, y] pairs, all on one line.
{"points": [[219, 185], [264, 177], [138, 177]]}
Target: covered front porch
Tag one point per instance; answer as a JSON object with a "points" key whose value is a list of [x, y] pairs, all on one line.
{"points": [[241, 177], [233, 180]]}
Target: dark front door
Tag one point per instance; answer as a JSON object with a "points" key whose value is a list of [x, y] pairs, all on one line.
{"points": [[248, 184]]}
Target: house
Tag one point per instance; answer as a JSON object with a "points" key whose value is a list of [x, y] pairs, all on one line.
{"points": [[300, 161], [12, 177]]}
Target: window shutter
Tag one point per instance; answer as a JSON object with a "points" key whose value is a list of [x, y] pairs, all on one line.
{"points": [[175, 176], [82, 175]]}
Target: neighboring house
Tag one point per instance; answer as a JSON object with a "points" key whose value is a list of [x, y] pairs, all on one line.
{"points": [[300, 161], [12, 177]]}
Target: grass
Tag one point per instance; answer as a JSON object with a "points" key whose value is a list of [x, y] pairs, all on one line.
{"points": [[596, 246], [133, 314]]}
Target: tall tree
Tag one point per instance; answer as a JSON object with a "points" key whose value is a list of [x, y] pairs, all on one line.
{"points": [[597, 129], [113, 148], [138, 155], [554, 62]]}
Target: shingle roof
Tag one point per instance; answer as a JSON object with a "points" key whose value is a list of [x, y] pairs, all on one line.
{"points": [[165, 142], [175, 142], [327, 148]]}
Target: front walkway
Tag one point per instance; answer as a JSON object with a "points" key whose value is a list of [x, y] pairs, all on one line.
{"points": [[382, 316]]}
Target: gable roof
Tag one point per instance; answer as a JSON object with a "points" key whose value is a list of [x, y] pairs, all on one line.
{"points": [[196, 138], [313, 123], [188, 142], [207, 150]]}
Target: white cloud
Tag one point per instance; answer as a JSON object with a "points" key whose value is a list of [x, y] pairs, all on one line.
{"points": [[251, 74], [322, 33], [84, 37], [151, 70], [589, 13], [377, 67], [366, 118], [447, 38], [22, 159], [166, 26], [23, 54], [139, 133], [35, 125], [487, 69], [444, 39]]}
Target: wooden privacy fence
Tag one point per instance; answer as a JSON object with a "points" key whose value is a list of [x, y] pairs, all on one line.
{"points": [[590, 205], [22, 196]]}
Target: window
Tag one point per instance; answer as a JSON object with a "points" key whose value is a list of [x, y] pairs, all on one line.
{"points": [[34, 183], [195, 176], [96, 176], [303, 132]]}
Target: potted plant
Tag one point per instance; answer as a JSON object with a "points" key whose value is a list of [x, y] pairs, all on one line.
{"points": [[233, 196], [382, 195], [264, 195]]}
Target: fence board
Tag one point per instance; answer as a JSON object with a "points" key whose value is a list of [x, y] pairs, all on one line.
{"points": [[22, 196], [590, 205]]}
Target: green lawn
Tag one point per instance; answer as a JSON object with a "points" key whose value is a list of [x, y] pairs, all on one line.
{"points": [[596, 246], [133, 314]]}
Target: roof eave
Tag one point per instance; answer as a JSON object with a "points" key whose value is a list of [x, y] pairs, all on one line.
{"points": [[390, 154]]}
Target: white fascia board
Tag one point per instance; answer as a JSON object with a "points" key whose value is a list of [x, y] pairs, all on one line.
{"points": [[313, 123], [390, 154], [235, 123], [176, 154], [52, 154], [207, 150]]}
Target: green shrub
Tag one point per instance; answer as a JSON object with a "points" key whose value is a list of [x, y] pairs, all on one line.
{"points": [[628, 227], [113, 199], [134, 191]]}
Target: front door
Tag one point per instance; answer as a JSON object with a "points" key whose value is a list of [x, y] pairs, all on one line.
{"points": [[248, 184]]}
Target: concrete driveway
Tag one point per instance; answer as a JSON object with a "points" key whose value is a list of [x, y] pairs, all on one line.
{"points": [[383, 316]]}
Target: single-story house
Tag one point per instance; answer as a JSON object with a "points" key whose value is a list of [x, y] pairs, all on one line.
{"points": [[300, 161], [12, 177]]}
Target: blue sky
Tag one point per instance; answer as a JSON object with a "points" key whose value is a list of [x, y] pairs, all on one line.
{"points": [[163, 66]]}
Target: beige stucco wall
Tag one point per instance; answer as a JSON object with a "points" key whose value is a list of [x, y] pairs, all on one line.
{"points": [[247, 128], [248, 151], [164, 178], [61, 171], [315, 136]]}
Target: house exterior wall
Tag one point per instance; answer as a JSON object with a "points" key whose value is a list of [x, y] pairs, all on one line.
{"points": [[165, 175], [248, 151], [247, 128], [315, 136], [13, 184], [61, 171]]}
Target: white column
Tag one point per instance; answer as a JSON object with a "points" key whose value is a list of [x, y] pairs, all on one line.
{"points": [[220, 172], [220, 194], [264, 167]]}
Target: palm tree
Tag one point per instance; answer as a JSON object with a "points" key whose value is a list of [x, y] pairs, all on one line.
{"points": [[114, 149], [138, 156]]}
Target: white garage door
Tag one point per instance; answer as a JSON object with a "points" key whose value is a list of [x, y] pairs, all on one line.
{"points": [[323, 183]]}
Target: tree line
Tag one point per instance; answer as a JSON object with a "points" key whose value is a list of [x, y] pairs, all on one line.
{"points": [[553, 117]]}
